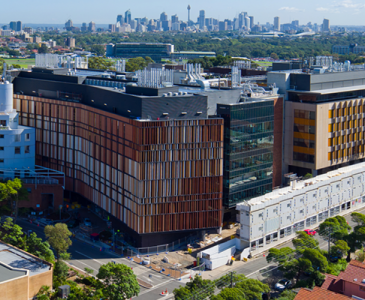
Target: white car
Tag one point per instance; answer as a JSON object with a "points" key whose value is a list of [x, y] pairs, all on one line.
{"points": [[87, 222]]}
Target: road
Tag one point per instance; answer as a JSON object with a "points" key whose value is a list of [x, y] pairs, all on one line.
{"points": [[85, 255]]}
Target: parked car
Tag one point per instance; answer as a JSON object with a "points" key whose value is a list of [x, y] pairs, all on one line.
{"points": [[310, 232], [283, 284], [73, 223], [87, 222]]}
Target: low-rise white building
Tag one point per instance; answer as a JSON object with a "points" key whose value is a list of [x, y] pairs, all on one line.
{"points": [[274, 218], [17, 143]]}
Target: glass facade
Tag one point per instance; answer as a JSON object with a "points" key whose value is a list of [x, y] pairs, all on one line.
{"points": [[248, 150]]}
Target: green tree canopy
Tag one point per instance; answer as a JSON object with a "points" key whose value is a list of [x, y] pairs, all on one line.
{"points": [[98, 49], [13, 192], [200, 288], [303, 241], [13, 234], [119, 281], [337, 226], [36, 246], [319, 262], [58, 237], [100, 63], [280, 255], [252, 288], [230, 294]]}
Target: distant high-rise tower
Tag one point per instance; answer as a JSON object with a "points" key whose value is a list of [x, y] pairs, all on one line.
{"points": [[84, 27], [251, 22], [189, 14], [128, 17], [241, 20], [92, 27], [277, 23], [174, 19], [163, 17], [70, 42], [19, 26], [120, 19], [326, 25], [69, 24], [201, 19], [13, 25]]}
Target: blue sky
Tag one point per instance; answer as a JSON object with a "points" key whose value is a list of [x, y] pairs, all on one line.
{"points": [[340, 12]]}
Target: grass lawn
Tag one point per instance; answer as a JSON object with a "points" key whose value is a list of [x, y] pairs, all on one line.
{"points": [[264, 63], [23, 62]]}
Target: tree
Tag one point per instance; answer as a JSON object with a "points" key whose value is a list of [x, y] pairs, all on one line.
{"points": [[43, 49], [60, 271], [100, 63], [98, 49], [119, 281], [252, 288], [280, 255], [58, 237], [229, 294], [13, 192], [200, 288], [319, 262], [337, 226], [45, 293], [274, 56], [287, 295], [13, 234], [229, 279], [303, 241], [307, 176], [36, 246], [296, 267], [339, 249]]}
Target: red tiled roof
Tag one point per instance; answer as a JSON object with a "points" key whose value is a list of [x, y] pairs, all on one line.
{"points": [[355, 270], [319, 294], [328, 283]]}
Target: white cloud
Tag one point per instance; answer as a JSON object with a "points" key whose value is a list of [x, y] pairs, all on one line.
{"points": [[349, 4], [322, 9], [287, 8]]}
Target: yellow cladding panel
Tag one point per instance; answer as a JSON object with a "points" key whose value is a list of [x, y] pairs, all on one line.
{"points": [[303, 150], [305, 136], [304, 121]]}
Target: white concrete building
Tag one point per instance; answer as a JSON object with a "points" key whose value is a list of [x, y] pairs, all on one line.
{"points": [[17, 143], [274, 218]]}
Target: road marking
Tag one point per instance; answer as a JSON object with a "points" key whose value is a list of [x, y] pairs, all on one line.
{"points": [[155, 287], [167, 297], [86, 265], [260, 270], [89, 257]]}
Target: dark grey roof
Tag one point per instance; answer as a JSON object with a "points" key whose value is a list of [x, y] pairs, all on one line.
{"points": [[17, 259], [8, 274]]}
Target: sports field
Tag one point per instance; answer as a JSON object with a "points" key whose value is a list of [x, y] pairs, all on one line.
{"points": [[264, 63], [23, 62]]}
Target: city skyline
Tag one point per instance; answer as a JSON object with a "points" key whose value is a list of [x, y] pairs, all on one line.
{"points": [[345, 12]]}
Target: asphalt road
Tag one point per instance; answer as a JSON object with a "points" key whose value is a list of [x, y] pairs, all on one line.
{"points": [[85, 255]]}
